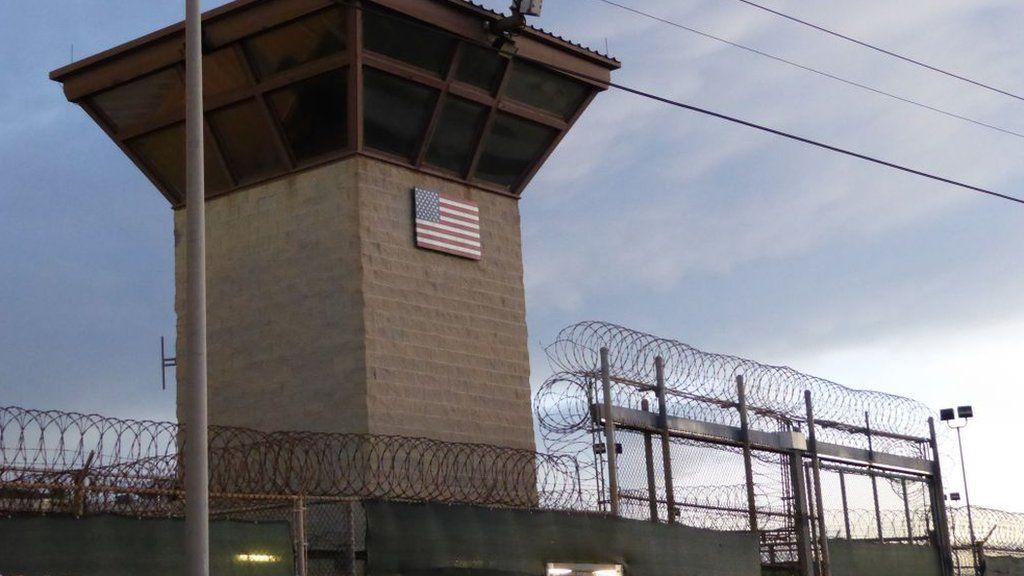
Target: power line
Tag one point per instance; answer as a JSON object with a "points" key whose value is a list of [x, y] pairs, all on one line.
{"points": [[809, 141], [813, 70], [719, 115], [883, 50]]}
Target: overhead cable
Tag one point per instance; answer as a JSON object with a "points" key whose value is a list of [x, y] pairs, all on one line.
{"points": [[883, 50], [813, 70], [726, 117]]}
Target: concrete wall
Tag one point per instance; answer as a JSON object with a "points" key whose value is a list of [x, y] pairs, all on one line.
{"points": [[445, 336], [858, 558], [116, 546], [418, 539], [324, 316], [284, 304], [1004, 566]]}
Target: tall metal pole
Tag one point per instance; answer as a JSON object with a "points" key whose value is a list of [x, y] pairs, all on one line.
{"points": [[748, 466], [941, 521], [197, 497], [609, 435], [652, 490], [906, 512], [801, 514], [826, 565], [967, 497], [874, 480], [666, 444], [846, 505], [300, 536]]}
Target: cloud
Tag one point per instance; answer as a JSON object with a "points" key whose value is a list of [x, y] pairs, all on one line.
{"points": [[647, 215]]}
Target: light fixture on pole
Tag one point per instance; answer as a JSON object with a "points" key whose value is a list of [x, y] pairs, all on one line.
{"points": [[952, 418]]}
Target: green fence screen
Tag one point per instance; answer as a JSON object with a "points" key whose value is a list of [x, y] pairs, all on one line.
{"points": [[439, 540], [115, 546], [855, 558], [1004, 566]]}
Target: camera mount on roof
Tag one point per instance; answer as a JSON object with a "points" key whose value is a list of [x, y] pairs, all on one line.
{"points": [[508, 26]]}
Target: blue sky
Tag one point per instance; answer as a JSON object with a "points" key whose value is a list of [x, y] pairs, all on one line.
{"points": [[648, 216]]}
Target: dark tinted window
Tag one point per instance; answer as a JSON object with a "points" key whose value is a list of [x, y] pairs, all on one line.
{"points": [[313, 114], [247, 141], [392, 35], [456, 134], [308, 39], [396, 112], [159, 95], [163, 152], [513, 146], [480, 67], [545, 89]]}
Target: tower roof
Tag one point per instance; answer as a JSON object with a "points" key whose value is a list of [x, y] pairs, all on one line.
{"points": [[292, 84]]}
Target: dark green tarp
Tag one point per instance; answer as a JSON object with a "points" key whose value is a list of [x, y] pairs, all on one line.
{"points": [[115, 546], [858, 558], [1004, 566], [439, 540]]}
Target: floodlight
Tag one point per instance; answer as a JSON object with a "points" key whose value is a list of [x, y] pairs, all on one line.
{"points": [[256, 558], [601, 448], [947, 414], [584, 570], [954, 496], [965, 412], [528, 7]]}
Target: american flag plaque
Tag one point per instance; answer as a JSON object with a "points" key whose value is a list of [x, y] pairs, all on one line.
{"points": [[446, 224]]}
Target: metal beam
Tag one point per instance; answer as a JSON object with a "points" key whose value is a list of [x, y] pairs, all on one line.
{"points": [[652, 490], [609, 438], [801, 520], [661, 424], [748, 467], [780, 442], [826, 566]]}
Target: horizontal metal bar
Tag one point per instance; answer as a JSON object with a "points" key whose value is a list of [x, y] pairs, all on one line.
{"points": [[863, 430], [782, 442], [840, 453]]}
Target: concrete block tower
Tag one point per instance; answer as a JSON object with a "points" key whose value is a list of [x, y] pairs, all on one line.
{"points": [[364, 166]]}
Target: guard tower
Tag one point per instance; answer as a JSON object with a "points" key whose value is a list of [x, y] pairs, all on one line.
{"points": [[365, 161]]}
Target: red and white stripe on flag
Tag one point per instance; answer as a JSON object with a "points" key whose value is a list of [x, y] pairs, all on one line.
{"points": [[447, 224]]}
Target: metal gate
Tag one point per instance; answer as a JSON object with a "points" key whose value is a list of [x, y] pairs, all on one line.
{"points": [[676, 435]]}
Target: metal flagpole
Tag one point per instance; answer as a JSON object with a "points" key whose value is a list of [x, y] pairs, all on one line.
{"points": [[197, 511]]}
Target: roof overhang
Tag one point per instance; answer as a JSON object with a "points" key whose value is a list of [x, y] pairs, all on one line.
{"points": [[134, 91]]}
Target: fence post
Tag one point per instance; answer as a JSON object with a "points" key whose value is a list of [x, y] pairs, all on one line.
{"points": [[846, 505], [906, 511], [748, 466], [826, 567], [801, 520], [652, 491], [666, 445], [300, 535], [874, 479], [609, 435], [81, 478], [938, 499], [350, 555]]}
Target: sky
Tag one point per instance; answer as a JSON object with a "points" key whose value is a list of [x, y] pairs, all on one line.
{"points": [[649, 216]]}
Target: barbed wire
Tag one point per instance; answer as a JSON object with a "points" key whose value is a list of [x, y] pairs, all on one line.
{"points": [[84, 463], [45, 453], [996, 530], [710, 379]]}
